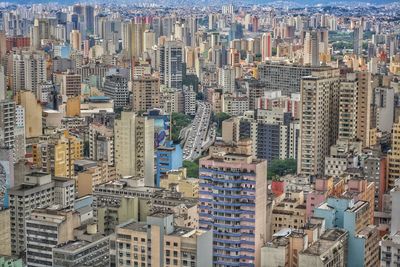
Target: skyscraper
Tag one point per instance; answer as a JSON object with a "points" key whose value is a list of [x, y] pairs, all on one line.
{"points": [[146, 93], [116, 87], [171, 69], [266, 46], [319, 120], [357, 40], [134, 146], [311, 48], [232, 201]]}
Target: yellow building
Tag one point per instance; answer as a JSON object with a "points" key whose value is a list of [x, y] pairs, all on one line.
{"points": [[394, 156], [68, 149], [177, 179], [33, 113]]}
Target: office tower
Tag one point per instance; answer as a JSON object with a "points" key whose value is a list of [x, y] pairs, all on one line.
{"points": [[348, 107], [45, 229], [168, 157], [158, 242], [171, 68], [116, 87], [36, 191], [89, 18], [358, 40], [266, 46], [146, 93], [394, 156], [76, 40], [364, 106], [101, 143], [319, 120], [226, 79], [70, 84], [136, 34], [89, 248], [67, 149], [284, 77], [134, 146], [236, 180], [33, 113], [311, 48]]}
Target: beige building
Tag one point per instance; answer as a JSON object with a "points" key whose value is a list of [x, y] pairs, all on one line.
{"points": [[33, 113], [91, 176], [364, 95], [73, 107], [177, 180], [5, 233], [159, 243], [76, 39], [348, 107], [146, 93], [45, 229], [134, 146], [394, 156], [319, 120], [329, 251], [70, 84], [283, 250], [290, 212]]}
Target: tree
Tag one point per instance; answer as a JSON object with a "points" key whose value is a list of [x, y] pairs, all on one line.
{"points": [[278, 168], [179, 121], [192, 168], [219, 118]]}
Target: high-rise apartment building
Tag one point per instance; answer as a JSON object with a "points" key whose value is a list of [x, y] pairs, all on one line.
{"points": [[101, 143], [348, 107], [33, 113], [116, 87], [7, 123], [45, 229], [232, 201], [67, 149], [226, 79], [136, 31], [311, 48], [36, 191], [266, 46], [319, 120], [29, 70], [146, 93], [134, 146], [171, 68], [70, 84], [364, 95], [394, 156], [158, 242]]}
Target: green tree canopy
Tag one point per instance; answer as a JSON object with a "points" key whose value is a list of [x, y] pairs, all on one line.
{"points": [[278, 168]]}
